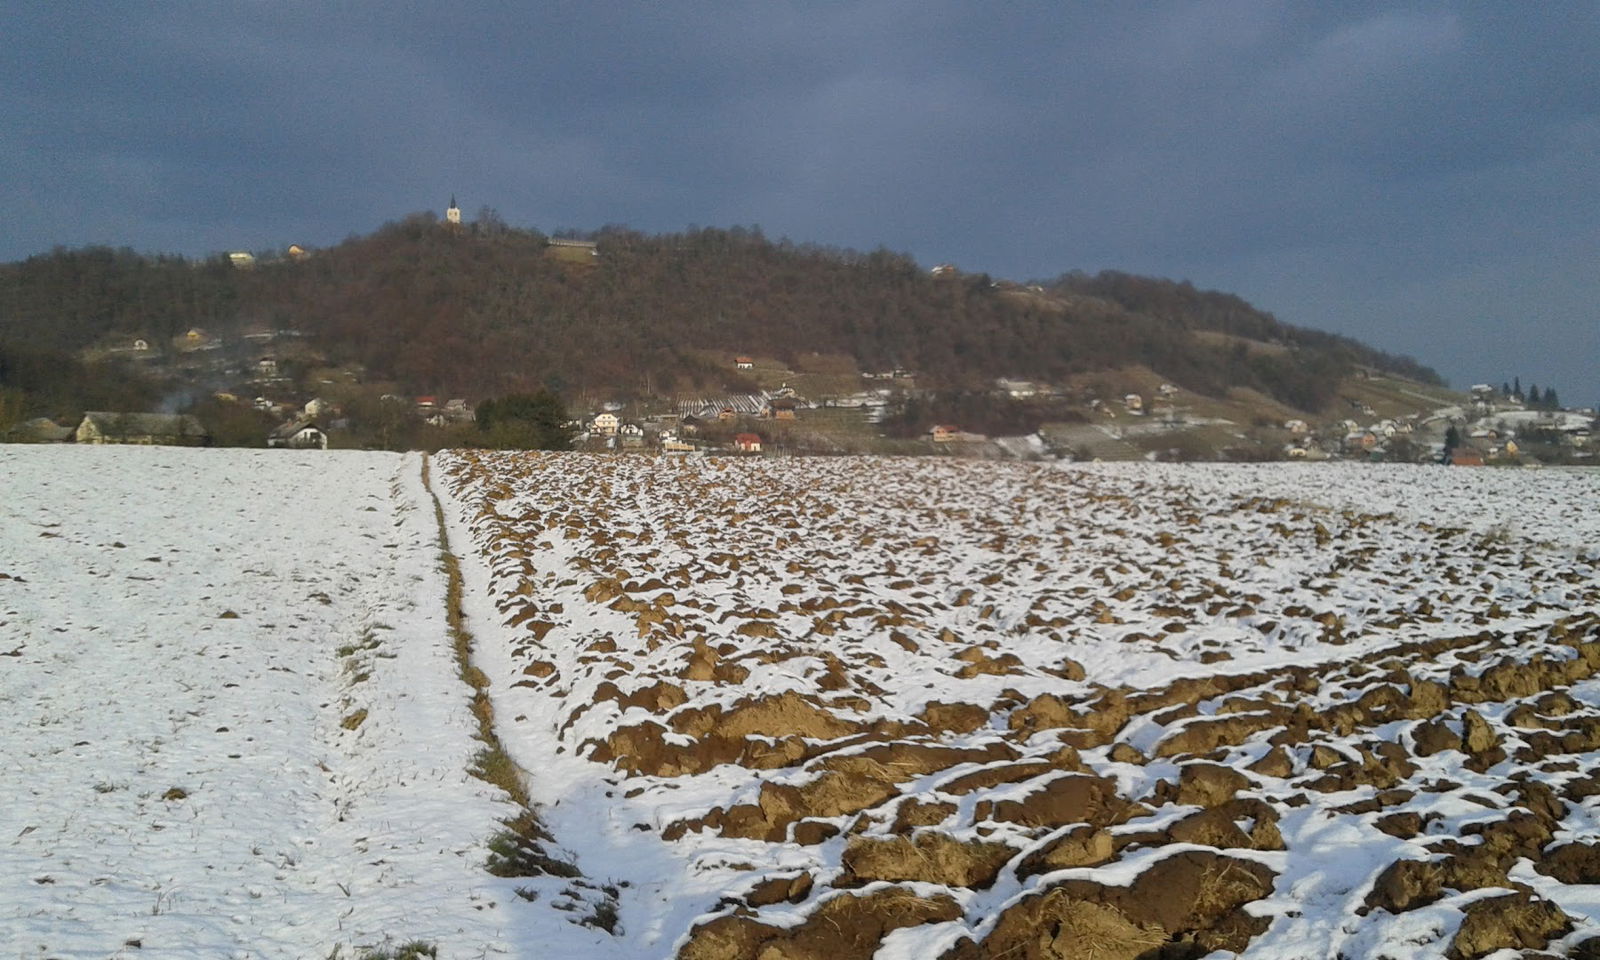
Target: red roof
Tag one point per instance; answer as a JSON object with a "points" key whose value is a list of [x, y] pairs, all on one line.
{"points": [[745, 439], [743, 360], [427, 401]]}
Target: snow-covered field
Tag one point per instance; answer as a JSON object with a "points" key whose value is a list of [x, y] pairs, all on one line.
{"points": [[230, 724], [928, 708], [778, 708]]}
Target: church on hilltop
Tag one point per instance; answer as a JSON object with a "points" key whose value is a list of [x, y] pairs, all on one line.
{"points": [[452, 213]]}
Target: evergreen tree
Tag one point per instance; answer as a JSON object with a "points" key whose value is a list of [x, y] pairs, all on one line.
{"points": [[12, 404], [1516, 389], [525, 421]]}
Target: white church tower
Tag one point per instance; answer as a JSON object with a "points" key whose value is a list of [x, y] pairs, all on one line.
{"points": [[452, 214]]}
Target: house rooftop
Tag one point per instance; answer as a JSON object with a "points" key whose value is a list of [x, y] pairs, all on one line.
{"points": [[145, 424], [41, 429], [286, 430]]}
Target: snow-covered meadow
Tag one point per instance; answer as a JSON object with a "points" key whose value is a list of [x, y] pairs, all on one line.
{"points": [[854, 708], [230, 723]]}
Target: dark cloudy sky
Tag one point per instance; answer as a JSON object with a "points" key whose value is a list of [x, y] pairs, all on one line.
{"points": [[1420, 175]]}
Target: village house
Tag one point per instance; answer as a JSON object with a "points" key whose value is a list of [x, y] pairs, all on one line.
{"points": [[242, 260], [690, 424], [578, 247], [1364, 440], [426, 405], [944, 270], [943, 432], [726, 414], [1466, 457], [299, 435], [671, 444], [266, 367], [1296, 426], [780, 408], [744, 363], [604, 425], [38, 430], [1017, 389], [1134, 403], [630, 435], [141, 344], [168, 429], [747, 443]]}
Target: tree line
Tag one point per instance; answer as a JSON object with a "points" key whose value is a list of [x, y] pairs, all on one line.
{"points": [[1532, 397]]}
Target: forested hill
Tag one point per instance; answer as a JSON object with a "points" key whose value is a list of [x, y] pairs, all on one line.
{"points": [[486, 308]]}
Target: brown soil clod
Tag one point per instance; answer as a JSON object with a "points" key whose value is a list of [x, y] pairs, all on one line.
{"points": [[1193, 897], [1070, 798], [843, 927], [1080, 846], [1571, 863], [1209, 784], [931, 857], [1405, 885], [1431, 737], [780, 890], [1514, 921]]}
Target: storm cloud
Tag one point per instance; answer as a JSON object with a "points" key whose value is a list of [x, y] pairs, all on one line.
{"points": [[1420, 175]]}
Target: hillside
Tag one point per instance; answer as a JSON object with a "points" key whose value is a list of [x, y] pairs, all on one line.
{"points": [[488, 309]]}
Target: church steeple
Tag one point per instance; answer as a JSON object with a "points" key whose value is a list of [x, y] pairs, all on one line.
{"points": [[452, 214]]}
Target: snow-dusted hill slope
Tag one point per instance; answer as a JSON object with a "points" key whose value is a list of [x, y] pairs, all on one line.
{"points": [[230, 724], [907, 709]]}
